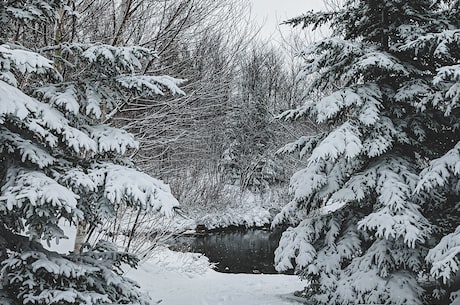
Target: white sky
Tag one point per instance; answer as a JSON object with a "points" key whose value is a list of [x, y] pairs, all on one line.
{"points": [[270, 13]]}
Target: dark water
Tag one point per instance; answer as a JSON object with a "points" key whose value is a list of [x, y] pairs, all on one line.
{"points": [[237, 251]]}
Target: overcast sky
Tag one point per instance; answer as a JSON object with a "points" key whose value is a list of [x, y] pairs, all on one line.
{"points": [[272, 12]]}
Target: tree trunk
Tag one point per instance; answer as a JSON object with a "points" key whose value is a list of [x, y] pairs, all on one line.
{"points": [[80, 236]]}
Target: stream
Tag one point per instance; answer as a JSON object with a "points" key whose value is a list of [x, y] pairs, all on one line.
{"points": [[235, 251]]}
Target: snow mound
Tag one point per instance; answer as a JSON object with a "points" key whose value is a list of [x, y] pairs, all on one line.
{"points": [[189, 264], [172, 278]]}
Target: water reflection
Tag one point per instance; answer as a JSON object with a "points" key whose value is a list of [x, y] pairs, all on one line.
{"points": [[240, 251]]}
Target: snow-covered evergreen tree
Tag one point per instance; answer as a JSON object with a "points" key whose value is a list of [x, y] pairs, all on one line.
{"points": [[58, 162], [363, 218]]}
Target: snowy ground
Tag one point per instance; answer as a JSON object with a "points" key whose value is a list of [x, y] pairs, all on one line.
{"points": [[173, 278]]}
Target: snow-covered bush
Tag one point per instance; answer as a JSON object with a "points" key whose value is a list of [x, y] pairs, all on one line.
{"points": [[236, 208], [60, 162], [363, 218]]}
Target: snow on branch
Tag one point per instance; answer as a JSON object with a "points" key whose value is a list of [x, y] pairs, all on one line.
{"points": [[289, 214], [369, 287], [304, 144], [126, 57], [294, 114], [79, 180], [381, 139], [35, 196], [328, 107], [379, 61], [78, 140], [93, 102], [363, 100], [122, 184], [448, 80], [42, 119], [111, 139], [434, 43], [389, 226], [340, 49], [109, 57], [33, 189], [151, 84], [35, 10], [14, 102], [345, 140], [67, 98], [447, 73], [316, 19], [366, 99], [396, 215], [24, 61], [444, 258], [416, 92], [440, 170], [307, 181], [29, 151], [295, 245], [357, 188]]}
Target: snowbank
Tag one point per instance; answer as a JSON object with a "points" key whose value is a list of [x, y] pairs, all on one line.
{"points": [[237, 208], [173, 278]]}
